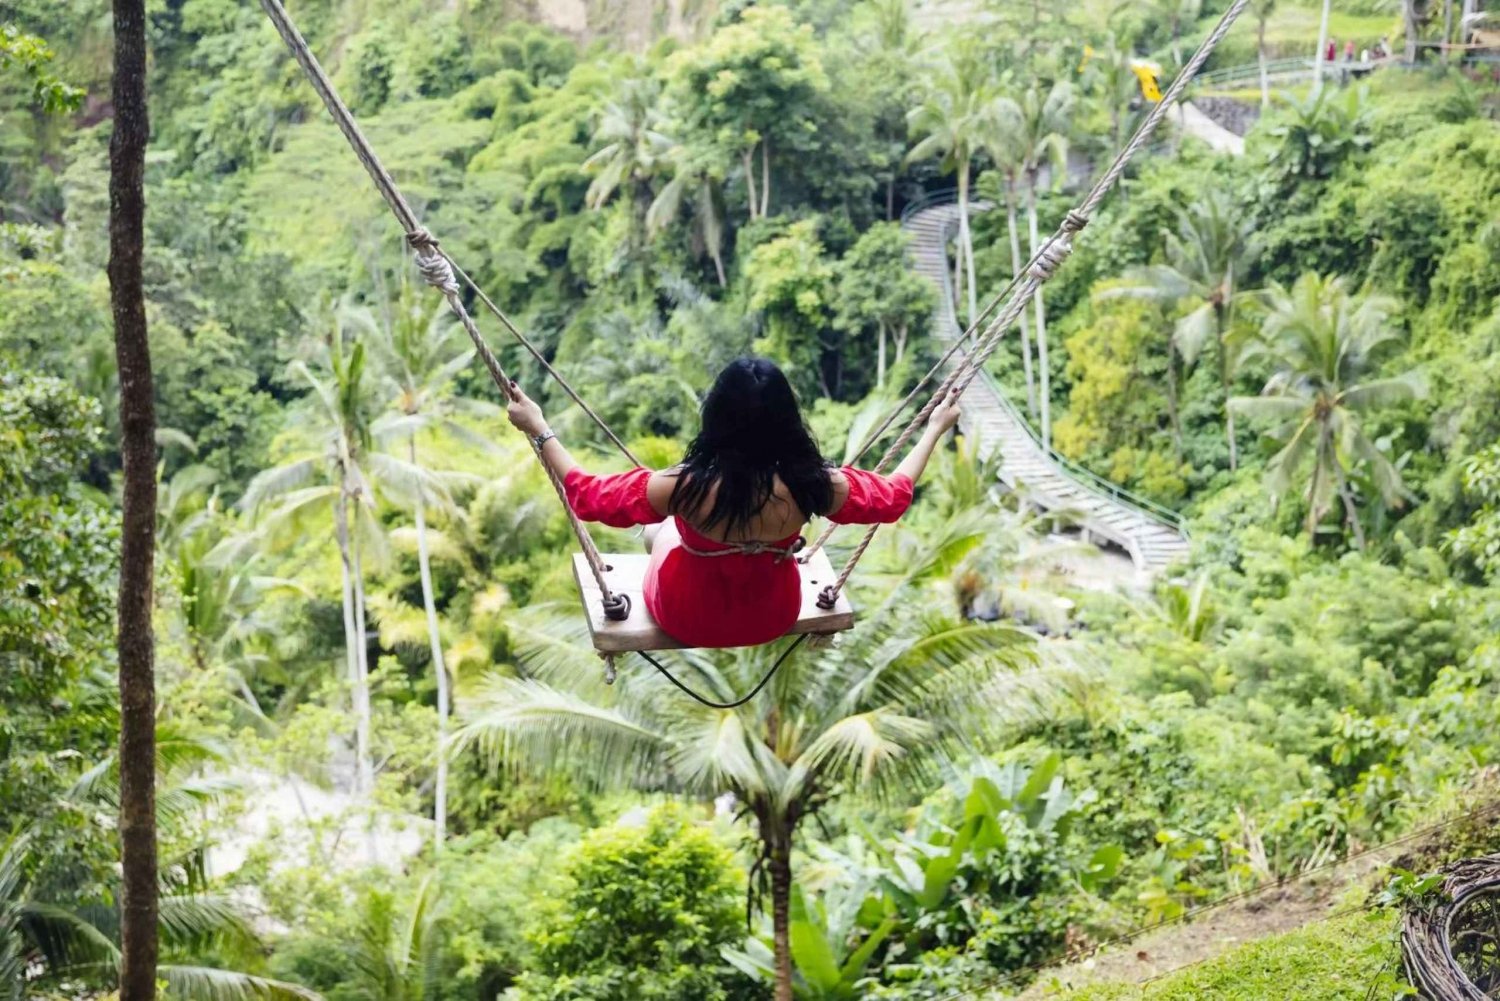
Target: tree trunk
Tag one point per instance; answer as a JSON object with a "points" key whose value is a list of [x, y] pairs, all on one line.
{"points": [[1260, 55], [1351, 513], [353, 641], [747, 161], [880, 359], [1322, 47], [1409, 10], [1015, 269], [966, 238], [1221, 329], [1447, 29], [439, 671], [899, 336], [134, 641], [1173, 413], [765, 178], [780, 866], [1044, 375]]}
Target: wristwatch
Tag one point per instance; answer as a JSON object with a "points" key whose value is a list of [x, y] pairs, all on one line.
{"points": [[538, 440]]}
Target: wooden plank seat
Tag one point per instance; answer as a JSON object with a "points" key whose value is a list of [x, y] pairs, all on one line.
{"points": [[625, 574]]}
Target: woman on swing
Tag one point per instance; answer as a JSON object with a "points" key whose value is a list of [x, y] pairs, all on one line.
{"points": [[722, 572]]}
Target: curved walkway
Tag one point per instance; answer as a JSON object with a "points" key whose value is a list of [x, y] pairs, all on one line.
{"points": [[1153, 541]]}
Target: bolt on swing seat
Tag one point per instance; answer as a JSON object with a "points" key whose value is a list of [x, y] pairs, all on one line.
{"points": [[638, 632]]}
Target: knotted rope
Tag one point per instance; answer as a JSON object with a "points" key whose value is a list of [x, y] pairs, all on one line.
{"points": [[440, 271], [1043, 265]]}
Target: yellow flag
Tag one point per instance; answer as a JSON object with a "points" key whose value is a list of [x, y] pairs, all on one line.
{"points": [[1146, 74]]}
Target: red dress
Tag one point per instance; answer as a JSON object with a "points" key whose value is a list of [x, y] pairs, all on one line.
{"points": [[741, 599]]}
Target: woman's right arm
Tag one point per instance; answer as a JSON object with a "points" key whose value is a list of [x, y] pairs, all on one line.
{"points": [[866, 498], [943, 417]]}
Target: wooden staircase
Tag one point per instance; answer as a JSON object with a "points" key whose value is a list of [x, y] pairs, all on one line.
{"points": [[1152, 536]]}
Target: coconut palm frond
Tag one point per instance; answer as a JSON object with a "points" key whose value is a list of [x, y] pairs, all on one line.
{"points": [[205, 983], [536, 727]]}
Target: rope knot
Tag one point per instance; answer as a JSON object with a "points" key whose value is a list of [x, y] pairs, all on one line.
{"points": [[617, 608], [421, 239], [1051, 257], [435, 269], [1074, 221], [828, 598]]}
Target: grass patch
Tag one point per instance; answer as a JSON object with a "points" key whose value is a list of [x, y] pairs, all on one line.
{"points": [[1334, 960]]}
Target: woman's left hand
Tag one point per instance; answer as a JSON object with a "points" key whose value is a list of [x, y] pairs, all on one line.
{"points": [[525, 414]]}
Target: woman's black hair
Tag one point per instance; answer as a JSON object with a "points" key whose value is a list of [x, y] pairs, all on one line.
{"points": [[752, 433]]}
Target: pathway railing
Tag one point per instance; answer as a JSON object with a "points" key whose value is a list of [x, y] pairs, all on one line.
{"points": [[1079, 474]]}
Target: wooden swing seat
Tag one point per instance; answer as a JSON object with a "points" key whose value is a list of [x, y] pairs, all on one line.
{"points": [[625, 572]]}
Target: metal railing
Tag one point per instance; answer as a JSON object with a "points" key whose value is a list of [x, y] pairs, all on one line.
{"points": [[1083, 477]]}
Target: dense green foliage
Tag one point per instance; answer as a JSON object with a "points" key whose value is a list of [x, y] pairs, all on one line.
{"points": [[1295, 348]]}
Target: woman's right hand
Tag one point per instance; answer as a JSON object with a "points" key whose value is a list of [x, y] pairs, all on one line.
{"points": [[944, 415]]}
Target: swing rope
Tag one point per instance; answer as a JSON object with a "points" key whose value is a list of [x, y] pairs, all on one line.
{"points": [[439, 271], [1043, 265]]}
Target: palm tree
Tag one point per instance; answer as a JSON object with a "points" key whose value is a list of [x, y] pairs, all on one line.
{"points": [[1263, 9], [1038, 125], [1324, 340], [424, 351], [1205, 259], [696, 178], [630, 143], [335, 447], [46, 936], [1008, 178], [1318, 59], [950, 124], [397, 953], [908, 685]]}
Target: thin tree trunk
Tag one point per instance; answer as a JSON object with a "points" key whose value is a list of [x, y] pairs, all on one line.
{"points": [[747, 161], [966, 238], [718, 268], [354, 641], [362, 690], [1351, 513], [1221, 325], [1322, 47], [439, 670], [899, 336], [765, 178], [780, 866], [134, 641], [1173, 413], [880, 359], [1260, 55], [1409, 9], [1044, 393], [1447, 30], [890, 200], [1314, 515], [1015, 270]]}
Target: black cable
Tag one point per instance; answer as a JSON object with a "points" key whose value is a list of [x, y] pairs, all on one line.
{"points": [[738, 702]]}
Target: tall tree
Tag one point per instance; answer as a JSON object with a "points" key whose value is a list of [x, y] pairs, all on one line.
{"points": [[875, 714], [1204, 261], [1324, 342], [1322, 50], [752, 91], [335, 447], [134, 639], [423, 352], [1262, 9], [950, 124], [1038, 124]]}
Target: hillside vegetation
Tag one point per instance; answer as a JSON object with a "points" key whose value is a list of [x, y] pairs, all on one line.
{"points": [[390, 765]]}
